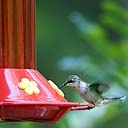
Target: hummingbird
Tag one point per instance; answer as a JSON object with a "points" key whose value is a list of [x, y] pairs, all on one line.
{"points": [[92, 93]]}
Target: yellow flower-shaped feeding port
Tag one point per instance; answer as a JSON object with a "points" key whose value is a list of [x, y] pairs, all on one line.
{"points": [[29, 87], [56, 88]]}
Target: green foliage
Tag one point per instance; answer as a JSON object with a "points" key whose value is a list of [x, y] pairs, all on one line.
{"points": [[106, 48]]}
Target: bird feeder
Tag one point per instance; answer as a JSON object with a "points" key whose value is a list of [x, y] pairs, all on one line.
{"points": [[25, 95]]}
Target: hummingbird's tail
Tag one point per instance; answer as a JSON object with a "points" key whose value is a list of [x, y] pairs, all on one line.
{"points": [[122, 98], [109, 100]]}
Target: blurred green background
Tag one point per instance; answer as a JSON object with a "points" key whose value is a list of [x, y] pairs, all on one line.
{"points": [[88, 38]]}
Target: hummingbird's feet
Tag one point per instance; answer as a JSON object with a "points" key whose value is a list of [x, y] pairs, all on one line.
{"points": [[90, 107]]}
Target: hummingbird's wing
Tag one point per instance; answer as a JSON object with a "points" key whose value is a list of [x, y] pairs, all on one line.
{"points": [[99, 87]]}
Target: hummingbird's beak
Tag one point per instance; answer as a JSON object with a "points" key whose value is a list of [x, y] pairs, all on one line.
{"points": [[62, 85]]}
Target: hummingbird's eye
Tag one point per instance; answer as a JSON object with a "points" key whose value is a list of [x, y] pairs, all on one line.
{"points": [[71, 81]]}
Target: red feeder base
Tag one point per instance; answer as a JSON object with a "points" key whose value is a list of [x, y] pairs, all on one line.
{"points": [[16, 105]]}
